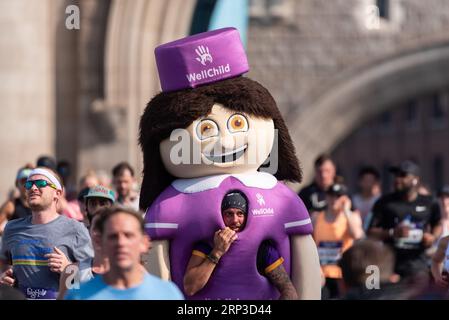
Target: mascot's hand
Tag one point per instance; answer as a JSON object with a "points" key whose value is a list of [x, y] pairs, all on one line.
{"points": [[223, 240]]}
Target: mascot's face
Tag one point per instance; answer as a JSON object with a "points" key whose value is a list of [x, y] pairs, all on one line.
{"points": [[222, 142]]}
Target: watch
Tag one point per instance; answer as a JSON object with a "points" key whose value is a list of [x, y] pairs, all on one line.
{"points": [[213, 258]]}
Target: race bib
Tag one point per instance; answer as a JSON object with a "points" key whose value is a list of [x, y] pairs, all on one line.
{"points": [[329, 252], [413, 241]]}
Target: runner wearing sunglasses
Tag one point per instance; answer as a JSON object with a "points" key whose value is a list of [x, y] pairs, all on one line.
{"points": [[36, 249], [39, 183]]}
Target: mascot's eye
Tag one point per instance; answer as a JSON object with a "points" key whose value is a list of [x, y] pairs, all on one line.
{"points": [[237, 123], [206, 129]]}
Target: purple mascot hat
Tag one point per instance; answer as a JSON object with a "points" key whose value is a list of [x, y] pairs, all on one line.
{"points": [[201, 59]]}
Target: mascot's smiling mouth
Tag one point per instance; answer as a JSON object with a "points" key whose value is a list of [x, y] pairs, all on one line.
{"points": [[228, 156]]}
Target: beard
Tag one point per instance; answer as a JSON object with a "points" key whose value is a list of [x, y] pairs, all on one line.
{"points": [[43, 205], [404, 190]]}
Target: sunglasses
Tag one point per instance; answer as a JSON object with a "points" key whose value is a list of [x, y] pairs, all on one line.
{"points": [[40, 183]]}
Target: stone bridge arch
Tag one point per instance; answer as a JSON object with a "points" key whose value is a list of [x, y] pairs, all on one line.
{"points": [[362, 93]]}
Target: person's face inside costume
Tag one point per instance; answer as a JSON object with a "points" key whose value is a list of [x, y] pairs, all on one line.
{"points": [[234, 218], [223, 142]]}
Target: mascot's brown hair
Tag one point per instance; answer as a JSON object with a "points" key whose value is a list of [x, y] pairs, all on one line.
{"points": [[168, 111]]}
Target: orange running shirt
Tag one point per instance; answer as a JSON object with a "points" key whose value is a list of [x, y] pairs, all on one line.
{"points": [[332, 239]]}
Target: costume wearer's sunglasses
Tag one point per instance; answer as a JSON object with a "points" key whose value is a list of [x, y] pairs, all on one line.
{"points": [[40, 183]]}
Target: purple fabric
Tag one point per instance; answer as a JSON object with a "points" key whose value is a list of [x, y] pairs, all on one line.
{"points": [[203, 247], [266, 255], [186, 219], [200, 59]]}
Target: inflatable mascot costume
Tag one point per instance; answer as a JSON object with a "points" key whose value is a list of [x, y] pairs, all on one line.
{"points": [[208, 132]]}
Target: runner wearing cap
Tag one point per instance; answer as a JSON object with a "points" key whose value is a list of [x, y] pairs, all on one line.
{"points": [[123, 241], [37, 248], [335, 230], [206, 257], [407, 220], [98, 197]]}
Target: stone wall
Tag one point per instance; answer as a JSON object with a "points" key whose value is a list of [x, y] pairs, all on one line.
{"points": [[27, 92], [300, 54]]}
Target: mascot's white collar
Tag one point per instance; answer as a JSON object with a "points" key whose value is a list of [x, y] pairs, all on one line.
{"points": [[261, 180]]}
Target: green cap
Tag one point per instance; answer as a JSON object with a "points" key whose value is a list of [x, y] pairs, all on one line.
{"points": [[101, 192]]}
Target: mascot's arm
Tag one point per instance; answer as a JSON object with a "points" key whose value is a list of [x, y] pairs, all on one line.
{"points": [[158, 261], [306, 271]]}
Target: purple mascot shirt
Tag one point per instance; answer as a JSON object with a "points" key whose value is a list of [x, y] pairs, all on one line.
{"points": [[189, 211]]}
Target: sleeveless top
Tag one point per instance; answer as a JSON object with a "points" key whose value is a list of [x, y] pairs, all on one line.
{"points": [[332, 239]]}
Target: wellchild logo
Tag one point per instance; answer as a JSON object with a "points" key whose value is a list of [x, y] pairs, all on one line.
{"points": [[203, 55], [260, 199], [262, 211]]}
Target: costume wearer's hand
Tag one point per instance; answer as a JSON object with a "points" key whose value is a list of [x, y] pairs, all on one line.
{"points": [[57, 261], [7, 277], [223, 240]]}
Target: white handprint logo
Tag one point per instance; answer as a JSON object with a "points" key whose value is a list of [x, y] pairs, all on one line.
{"points": [[260, 199], [203, 55]]}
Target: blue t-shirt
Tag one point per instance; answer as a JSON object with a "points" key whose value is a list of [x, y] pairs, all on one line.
{"points": [[25, 245], [152, 288]]}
